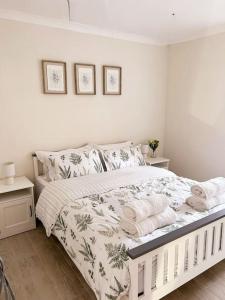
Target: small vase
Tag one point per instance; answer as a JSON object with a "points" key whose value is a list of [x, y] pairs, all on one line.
{"points": [[153, 154]]}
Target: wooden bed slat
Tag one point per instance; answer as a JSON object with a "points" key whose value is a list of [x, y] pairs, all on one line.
{"points": [[171, 263], [147, 278], [209, 243], [160, 269], [200, 247], [181, 257], [191, 252]]}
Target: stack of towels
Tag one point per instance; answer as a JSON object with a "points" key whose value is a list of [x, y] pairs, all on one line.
{"points": [[208, 194], [141, 217]]}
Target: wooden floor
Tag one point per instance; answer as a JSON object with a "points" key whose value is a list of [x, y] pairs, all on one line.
{"points": [[38, 268]]}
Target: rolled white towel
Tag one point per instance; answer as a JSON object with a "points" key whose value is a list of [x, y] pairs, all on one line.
{"points": [[139, 210], [167, 217], [210, 188], [201, 204]]}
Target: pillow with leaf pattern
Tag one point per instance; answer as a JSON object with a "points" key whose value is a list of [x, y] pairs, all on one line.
{"points": [[72, 163], [123, 158]]}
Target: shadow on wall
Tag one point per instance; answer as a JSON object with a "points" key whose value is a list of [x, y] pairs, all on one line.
{"points": [[195, 129]]}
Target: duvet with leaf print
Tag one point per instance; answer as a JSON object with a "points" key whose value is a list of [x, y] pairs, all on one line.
{"points": [[84, 214]]}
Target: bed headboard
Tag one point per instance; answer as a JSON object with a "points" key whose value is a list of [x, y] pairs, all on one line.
{"points": [[40, 181], [38, 166]]}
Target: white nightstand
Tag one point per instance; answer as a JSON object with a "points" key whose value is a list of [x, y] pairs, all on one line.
{"points": [[16, 207], [159, 162]]}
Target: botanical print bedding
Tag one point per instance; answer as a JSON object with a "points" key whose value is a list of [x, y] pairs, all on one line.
{"points": [[122, 158], [89, 230], [71, 163]]}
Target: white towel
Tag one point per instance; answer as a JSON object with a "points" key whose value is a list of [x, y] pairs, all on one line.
{"points": [[138, 210], [210, 188], [201, 204], [167, 217]]}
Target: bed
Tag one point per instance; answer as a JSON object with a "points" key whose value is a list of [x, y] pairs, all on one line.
{"points": [[83, 214]]}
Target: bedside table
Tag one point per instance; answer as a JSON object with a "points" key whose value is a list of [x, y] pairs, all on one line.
{"points": [[159, 162], [16, 207]]}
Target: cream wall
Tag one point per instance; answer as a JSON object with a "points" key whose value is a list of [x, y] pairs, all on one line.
{"points": [[195, 123], [30, 120]]}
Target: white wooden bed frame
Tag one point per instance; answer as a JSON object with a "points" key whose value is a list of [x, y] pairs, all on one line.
{"points": [[201, 249], [181, 255]]}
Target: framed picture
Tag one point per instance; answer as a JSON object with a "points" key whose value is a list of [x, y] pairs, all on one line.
{"points": [[54, 77], [112, 80], [85, 83]]}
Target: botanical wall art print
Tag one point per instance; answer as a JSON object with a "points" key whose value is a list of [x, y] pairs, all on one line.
{"points": [[54, 77], [85, 79], [112, 80]]}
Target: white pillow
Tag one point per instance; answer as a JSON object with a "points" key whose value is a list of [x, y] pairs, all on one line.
{"points": [[71, 162], [123, 157]]}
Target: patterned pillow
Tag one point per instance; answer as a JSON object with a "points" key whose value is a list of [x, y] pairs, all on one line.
{"points": [[72, 163], [101, 148], [123, 158]]}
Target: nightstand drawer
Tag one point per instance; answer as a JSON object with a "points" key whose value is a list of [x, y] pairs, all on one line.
{"points": [[16, 216]]}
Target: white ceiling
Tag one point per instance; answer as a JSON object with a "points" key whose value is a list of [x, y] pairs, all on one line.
{"points": [[147, 20]]}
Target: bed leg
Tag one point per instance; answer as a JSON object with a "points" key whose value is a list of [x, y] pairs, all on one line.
{"points": [[133, 268]]}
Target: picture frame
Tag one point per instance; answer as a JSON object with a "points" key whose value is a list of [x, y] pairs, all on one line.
{"points": [[54, 77], [85, 79], [112, 80]]}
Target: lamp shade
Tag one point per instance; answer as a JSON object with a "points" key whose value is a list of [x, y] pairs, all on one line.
{"points": [[9, 169]]}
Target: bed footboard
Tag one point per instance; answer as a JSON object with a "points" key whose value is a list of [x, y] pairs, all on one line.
{"points": [[178, 259]]}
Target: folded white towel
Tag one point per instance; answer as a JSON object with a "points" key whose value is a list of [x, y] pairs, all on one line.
{"points": [[201, 204], [167, 217], [210, 188], [138, 210]]}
